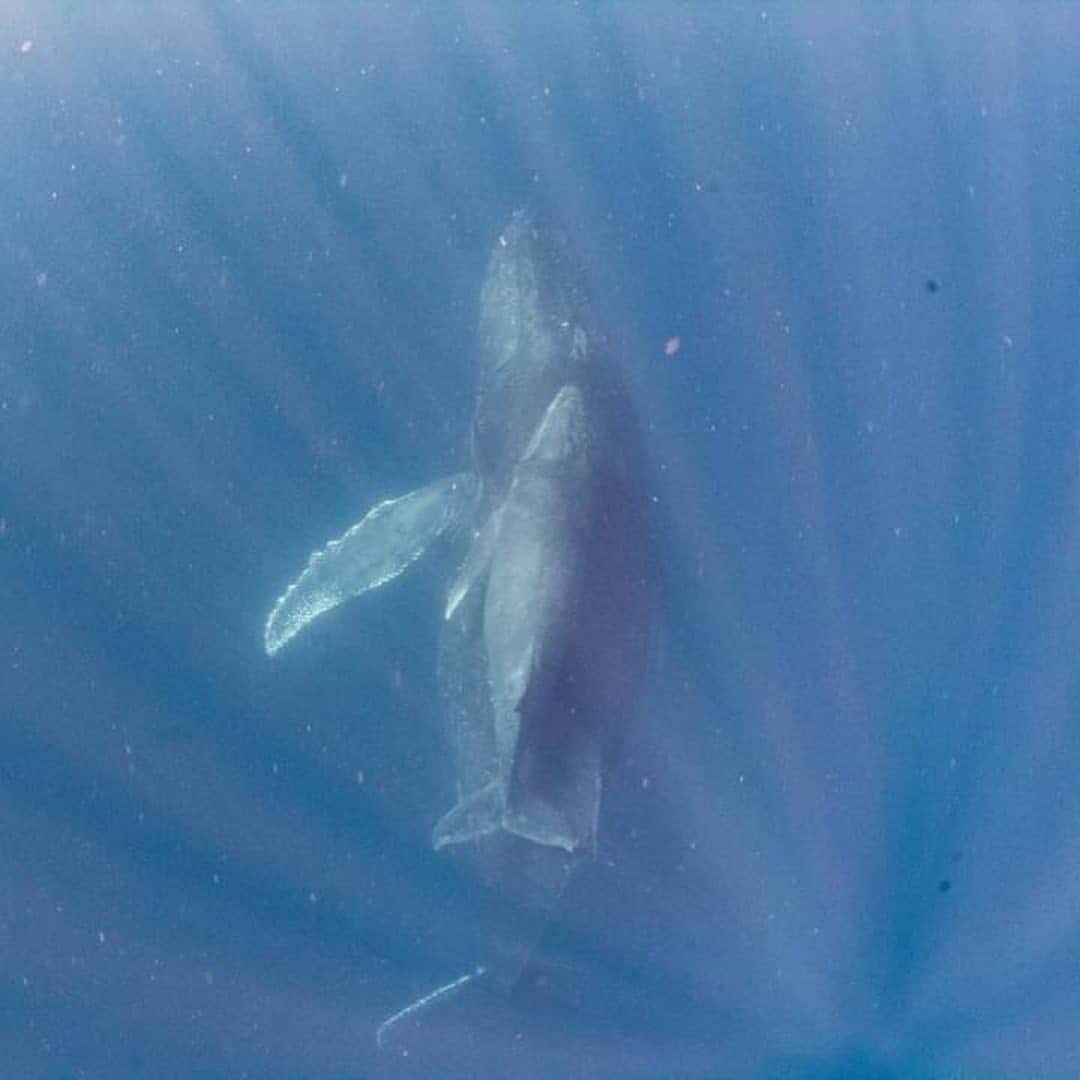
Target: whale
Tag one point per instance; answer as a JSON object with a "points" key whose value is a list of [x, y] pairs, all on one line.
{"points": [[545, 613], [530, 556]]}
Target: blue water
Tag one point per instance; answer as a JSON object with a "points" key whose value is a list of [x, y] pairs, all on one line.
{"points": [[240, 256]]}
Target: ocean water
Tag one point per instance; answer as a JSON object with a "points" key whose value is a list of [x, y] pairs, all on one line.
{"points": [[833, 253]]}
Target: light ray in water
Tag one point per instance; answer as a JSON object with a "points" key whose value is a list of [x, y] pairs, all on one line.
{"points": [[427, 999]]}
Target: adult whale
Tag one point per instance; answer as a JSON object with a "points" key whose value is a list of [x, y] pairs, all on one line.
{"points": [[545, 619]]}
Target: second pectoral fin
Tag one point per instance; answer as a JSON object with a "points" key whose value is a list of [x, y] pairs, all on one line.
{"points": [[476, 562]]}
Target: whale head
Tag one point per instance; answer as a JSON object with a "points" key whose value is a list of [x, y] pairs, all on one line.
{"points": [[533, 339]]}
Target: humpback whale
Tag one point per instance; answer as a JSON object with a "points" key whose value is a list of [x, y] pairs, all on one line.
{"points": [[530, 553], [544, 620]]}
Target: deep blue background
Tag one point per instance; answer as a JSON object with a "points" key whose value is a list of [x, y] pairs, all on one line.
{"points": [[240, 249]]}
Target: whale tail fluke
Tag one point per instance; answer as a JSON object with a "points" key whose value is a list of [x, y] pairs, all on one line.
{"points": [[486, 811], [422, 1003], [536, 819], [474, 816]]}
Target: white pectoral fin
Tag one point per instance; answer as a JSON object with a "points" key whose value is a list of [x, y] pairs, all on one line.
{"points": [[476, 563], [374, 551]]}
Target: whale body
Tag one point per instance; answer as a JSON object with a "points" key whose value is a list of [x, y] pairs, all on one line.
{"points": [[544, 619]]}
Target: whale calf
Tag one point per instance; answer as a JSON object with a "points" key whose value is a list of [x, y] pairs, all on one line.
{"points": [[530, 555]]}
